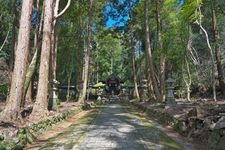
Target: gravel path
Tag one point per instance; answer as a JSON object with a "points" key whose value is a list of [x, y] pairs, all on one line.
{"points": [[113, 128]]}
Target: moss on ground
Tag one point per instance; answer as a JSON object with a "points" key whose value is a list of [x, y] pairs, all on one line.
{"points": [[164, 139], [75, 132]]}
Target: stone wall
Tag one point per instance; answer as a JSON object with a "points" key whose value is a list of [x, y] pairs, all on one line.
{"points": [[193, 127]]}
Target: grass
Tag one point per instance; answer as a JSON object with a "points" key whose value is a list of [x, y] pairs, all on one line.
{"points": [[160, 136], [75, 132]]}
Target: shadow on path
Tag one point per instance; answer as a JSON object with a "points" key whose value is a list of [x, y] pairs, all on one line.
{"points": [[113, 128]]}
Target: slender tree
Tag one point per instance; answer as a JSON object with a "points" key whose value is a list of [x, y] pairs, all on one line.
{"points": [[41, 104], [136, 92], [160, 48], [187, 79], [199, 22], [53, 52], [12, 55], [28, 87], [87, 54], [217, 49], [150, 72]]}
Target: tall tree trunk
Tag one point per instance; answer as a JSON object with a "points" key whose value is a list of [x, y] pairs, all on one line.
{"points": [[40, 106], [162, 76], [52, 61], [87, 55], [160, 48], [136, 92], [29, 76], [217, 49], [28, 84], [199, 22], [85, 71], [187, 79], [68, 98], [29, 96], [149, 84], [53, 54], [12, 109], [149, 55], [12, 54]]}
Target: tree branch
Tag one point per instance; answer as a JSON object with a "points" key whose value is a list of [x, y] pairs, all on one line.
{"points": [[4, 40], [211, 51], [63, 11]]}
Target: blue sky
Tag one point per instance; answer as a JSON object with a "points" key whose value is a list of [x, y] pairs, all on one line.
{"points": [[113, 23], [120, 20]]}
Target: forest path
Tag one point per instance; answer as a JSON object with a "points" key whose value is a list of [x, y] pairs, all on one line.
{"points": [[114, 127]]}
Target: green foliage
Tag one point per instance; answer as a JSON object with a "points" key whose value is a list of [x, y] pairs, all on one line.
{"points": [[4, 89], [112, 50], [72, 39], [2, 145], [6, 22], [99, 84], [175, 123], [108, 54], [6, 145], [68, 98], [22, 136], [189, 9], [4, 54]]}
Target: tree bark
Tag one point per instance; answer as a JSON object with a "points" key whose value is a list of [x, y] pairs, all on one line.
{"points": [[57, 15], [217, 49], [87, 56], [53, 53], [28, 91], [12, 54], [29, 96], [12, 109], [199, 22], [29, 75], [149, 55], [136, 92], [68, 98], [160, 48], [85, 72], [187, 79], [33, 64], [40, 106], [162, 76]]}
